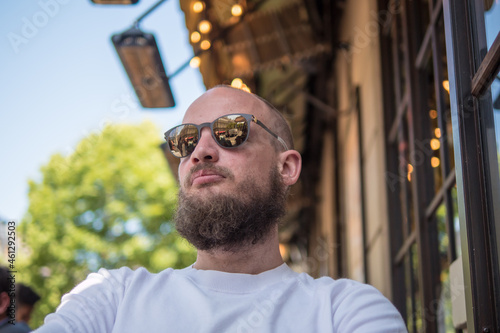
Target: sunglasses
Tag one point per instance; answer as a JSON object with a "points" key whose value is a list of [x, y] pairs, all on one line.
{"points": [[229, 131]]}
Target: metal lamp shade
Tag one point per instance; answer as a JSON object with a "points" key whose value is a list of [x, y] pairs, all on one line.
{"points": [[141, 58]]}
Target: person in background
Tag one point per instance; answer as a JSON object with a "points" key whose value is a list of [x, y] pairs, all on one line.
{"points": [[25, 303], [7, 304]]}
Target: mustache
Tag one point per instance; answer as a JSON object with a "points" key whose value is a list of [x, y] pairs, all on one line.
{"points": [[223, 171]]}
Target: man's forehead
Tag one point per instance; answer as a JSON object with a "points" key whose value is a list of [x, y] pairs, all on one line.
{"points": [[221, 101]]}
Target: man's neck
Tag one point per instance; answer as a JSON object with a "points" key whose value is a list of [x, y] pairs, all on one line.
{"points": [[253, 259]]}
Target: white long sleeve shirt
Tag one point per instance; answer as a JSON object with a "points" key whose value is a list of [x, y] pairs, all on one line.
{"points": [[191, 300]]}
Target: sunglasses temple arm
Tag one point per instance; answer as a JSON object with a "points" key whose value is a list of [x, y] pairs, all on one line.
{"points": [[282, 142], [258, 122]]}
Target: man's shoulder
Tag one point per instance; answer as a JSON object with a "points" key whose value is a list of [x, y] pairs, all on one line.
{"points": [[125, 273], [338, 289], [118, 279], [355, 304], [329, 282]]}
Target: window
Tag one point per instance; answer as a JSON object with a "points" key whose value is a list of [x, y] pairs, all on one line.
{"points": [[420, 162]]}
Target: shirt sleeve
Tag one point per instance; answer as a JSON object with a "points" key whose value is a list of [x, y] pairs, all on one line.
{"points": [[362, 308], [91, 306]]}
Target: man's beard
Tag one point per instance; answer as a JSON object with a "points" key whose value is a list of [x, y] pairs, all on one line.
{"points": [[231, 222]]}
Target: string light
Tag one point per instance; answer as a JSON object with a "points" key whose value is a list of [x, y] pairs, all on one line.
{"points": [[437, 132], [204, 26], [433, 114], [410, 170], [195, 37], [195, 62], [435, 144], [283, 251], [236, 10], [198, 6], [205, 45], [237, 83], [435, 162], [446, 86]]}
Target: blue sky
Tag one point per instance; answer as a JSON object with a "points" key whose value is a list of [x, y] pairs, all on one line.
{"points": [[60, 79]]}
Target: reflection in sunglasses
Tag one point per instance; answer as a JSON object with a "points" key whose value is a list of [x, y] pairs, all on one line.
{"points": [[228, 131]]}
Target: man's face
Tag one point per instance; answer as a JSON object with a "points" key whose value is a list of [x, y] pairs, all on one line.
{"points": [[229, 197], [211, 169]]}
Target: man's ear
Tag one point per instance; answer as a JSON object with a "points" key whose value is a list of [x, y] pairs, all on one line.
{"points": [[290, 166], [4, 302]]}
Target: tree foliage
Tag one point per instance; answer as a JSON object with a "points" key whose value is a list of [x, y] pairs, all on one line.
{"points": [[108, 204]]}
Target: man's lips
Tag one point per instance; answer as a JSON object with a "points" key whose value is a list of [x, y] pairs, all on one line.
{"points": [[205, 176]]}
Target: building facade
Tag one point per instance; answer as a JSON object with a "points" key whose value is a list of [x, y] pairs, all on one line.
{"points": [[392, 105]]}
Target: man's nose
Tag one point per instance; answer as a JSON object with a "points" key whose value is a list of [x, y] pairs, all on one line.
{"points": [[206, 150]]}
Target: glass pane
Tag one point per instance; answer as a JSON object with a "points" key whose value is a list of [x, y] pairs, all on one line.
{"points": [[495, 89], [456, 222], [414, 310], [410, 302], [417, 310], [447, 128], [495, 92], [435, 131], [405, 174], [492, 22], [443, 306], [445, 320], [442, 234]]}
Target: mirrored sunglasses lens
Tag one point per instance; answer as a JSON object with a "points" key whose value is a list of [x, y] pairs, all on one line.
{"points": [[231, 130], [182, 140]]}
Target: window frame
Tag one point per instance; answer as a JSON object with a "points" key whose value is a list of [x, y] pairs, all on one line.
{"points": [[477, 182], [407, 123]]}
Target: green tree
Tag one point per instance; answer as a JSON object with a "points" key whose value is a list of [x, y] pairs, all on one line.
{"points": [[108, 204]]}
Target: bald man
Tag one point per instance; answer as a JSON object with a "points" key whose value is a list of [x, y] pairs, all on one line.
{"points": [[236, 164]]}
